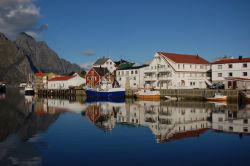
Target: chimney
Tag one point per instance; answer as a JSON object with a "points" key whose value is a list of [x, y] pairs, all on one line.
{"points": [[240, 57]]}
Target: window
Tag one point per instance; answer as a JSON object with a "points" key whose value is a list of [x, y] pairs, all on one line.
{"points": [[201, 66], [219, 66], [178, 66], [136, 72], [190, 66], [110, 63], [219, 74], [244, 65], [244, 73], [230, 74], [183, 66], [230, 66], [132, 72]]}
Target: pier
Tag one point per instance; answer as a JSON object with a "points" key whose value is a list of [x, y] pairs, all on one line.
{"points": [[60, 92], [194, 94]]}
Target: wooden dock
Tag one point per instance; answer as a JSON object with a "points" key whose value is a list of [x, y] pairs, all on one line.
{"points": [[60, 92], [194, 94]]}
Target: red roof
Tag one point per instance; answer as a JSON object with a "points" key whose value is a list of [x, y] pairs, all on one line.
{"points": [[40, 74], [222, 61], [182, 58], [237, 78], [62, 78]]}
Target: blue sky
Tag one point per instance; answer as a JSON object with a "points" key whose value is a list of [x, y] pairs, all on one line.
{"points": [[136, 29]]}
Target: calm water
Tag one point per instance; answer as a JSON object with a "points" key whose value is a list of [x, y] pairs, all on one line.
{"points": [[35, 131]]}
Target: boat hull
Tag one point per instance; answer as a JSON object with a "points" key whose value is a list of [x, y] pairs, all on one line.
{"points": [[148, 97], [105, 94], [217, 99]]}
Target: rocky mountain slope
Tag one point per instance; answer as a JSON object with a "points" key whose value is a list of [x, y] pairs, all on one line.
{"points": [[26, 55]]}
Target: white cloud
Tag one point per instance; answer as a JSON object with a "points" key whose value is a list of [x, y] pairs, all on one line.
{"points": [[86, 65], [88, 53], [19, 16]]}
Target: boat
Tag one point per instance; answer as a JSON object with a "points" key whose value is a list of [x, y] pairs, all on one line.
{"points": [[171, 98], [217, 97], [28, 89], [105, 90], [148, 94]]}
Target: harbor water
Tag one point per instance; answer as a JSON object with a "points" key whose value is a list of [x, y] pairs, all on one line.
{"points": [[61, 131]]}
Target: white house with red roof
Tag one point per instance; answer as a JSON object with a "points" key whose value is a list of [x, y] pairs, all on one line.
{"points": [[177, 71], [233, 72], [66, 82]]}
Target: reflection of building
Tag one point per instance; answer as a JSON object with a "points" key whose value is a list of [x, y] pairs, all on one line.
{"points": [[231, 121], [103, 114], [53, 106], [168, 121]]}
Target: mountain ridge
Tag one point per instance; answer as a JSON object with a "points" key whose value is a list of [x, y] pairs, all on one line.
{"points": [[25, 55]]}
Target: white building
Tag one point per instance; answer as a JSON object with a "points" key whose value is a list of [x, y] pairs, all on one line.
{"points": [[175, 71], [232, 72], [132, 77], [65, 82], [105, 63]]}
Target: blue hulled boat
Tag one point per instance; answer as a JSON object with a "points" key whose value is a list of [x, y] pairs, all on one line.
{"points": [[105, 91]]}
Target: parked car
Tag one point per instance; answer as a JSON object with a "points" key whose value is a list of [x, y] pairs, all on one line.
{"points": [[217, 86]]}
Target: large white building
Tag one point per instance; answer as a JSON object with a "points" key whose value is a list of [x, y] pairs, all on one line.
{"points": [[177, 71], [234, 73], [105, 63], [132, 77], [65, 82]]}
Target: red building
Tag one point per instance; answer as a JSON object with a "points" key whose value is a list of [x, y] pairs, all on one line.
{"points": [[95, 75]]}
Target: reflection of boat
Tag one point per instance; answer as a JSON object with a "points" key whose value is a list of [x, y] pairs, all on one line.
{"points": [[29, 90], [218, 103], [2, 88], [106, 91], [106, 99], [148, 94], [217, 97]]}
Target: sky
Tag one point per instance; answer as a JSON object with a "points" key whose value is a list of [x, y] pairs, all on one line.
{"points": [[83, 30]]}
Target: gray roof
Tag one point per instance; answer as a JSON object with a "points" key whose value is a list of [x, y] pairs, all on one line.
{"points": [[101, 70], [134, 67], [101, 61]]}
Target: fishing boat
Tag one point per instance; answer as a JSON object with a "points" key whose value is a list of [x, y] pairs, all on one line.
{"points": [[28, 89], [217, 97], [105, 90], [148, 94]]}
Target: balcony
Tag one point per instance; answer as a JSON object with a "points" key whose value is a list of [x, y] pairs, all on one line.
{"points": [[164, 70], [150, 78]]}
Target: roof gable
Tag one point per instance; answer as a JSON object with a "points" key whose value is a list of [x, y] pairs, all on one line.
{"points": [[102, 71], [62, 78], [184, 58], [101, 61]]}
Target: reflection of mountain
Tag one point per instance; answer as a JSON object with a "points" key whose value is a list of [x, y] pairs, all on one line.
{"points": [[19, 125]]}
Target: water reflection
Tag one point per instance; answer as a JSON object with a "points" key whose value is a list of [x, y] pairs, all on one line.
{"points": [[24, 119], [171, 120]]}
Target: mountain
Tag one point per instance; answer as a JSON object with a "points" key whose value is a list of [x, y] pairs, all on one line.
{"points": [[26, 55]]}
